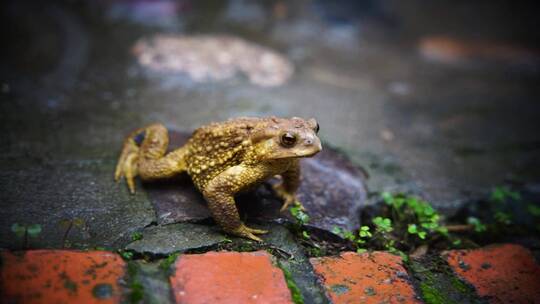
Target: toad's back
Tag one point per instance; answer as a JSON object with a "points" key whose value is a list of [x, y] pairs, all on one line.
{"points": [[216, 147]]}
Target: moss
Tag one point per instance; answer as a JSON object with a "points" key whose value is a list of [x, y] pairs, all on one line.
{"points": [[438, 284], [136, 289], [137, 292], [167, 262], [460, 285], [296, 294], [432, 295]]}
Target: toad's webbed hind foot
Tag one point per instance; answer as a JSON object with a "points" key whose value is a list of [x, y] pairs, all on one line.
{"points": [[127, 165]]}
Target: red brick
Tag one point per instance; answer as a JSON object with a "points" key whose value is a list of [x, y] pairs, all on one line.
{"points": [[61, 276], [502, 273], [229, 277], [377, 277]]}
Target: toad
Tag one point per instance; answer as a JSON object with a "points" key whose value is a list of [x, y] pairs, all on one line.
{"points": [[225, 158]]}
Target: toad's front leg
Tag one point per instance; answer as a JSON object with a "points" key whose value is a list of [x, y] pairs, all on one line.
{"points": [[287, 189], [220, 193]]}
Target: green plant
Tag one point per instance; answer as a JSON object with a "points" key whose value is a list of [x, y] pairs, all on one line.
{"points": [[413, 229], [384, 237], [383, 224], [533, 210], [136, 236], [503, 193], [419, 216], [503, 218], [126, 255], [26, 231], [302, 218], [359, 239], [167, 262], [136, 293], [477, 224], [298, 213]]}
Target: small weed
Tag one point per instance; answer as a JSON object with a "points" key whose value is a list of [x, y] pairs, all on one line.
{"points": [[126, 255], [477, 224], [296, 294], [301, 217], [26, 231], [503, 218], [502, 193], [136, 236], [167, 262], [533, 210], [136, 294], [405, 223]]}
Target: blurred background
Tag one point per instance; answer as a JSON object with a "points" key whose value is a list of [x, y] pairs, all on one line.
{"points": [[439, 98]]}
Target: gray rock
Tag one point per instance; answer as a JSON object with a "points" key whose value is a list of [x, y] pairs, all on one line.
{"points": [[164, 240], [77, 204]]}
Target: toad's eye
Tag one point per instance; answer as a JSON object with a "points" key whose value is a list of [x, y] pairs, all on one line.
{"points": [[288, 139]]}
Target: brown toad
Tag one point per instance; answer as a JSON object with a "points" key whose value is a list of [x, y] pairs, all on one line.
{"points": [[225, 158]]}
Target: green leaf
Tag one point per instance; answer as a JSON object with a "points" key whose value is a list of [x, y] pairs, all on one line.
{"points": [[383, 224], [533, 209], [127, 255], [349, 235], [442, 230], [387, 197], [136, 236], [299, 215], [412, 229], [503, 218], [364, 232], [422, 235], [34, 230], [19, 230], [398, 202], [361, 250], [478, 226], [305, 234], [500, 194]]}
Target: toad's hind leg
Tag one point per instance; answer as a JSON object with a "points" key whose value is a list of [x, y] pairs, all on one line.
{"points": [[143, 154], [220, 193]]}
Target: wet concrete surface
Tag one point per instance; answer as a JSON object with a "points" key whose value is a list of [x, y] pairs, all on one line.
{"points": [[71, 91]]}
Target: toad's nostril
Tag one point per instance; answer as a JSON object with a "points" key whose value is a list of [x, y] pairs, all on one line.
{"points": [[309, 141]]}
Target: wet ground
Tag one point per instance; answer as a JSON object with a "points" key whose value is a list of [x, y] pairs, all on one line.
{"points": [[448, 127]]}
